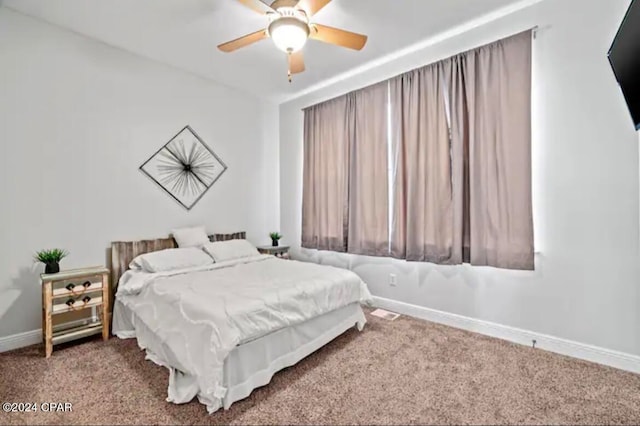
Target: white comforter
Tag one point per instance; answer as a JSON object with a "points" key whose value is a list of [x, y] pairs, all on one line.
{"points": [[199, 315]]}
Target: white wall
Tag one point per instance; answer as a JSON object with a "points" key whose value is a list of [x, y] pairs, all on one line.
{"points": [[586, 283], [77, 118]]}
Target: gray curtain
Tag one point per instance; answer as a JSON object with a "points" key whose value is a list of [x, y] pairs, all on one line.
{"points": [[423, 227], [345, 190], [368, 178], [496, 125], [465, 196], [327, 135], [460, 155]]}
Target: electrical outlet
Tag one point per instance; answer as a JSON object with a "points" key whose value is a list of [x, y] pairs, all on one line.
{"points": [[392, 280]]}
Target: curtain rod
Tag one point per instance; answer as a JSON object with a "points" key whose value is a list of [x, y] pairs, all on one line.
{"points": [[534, 32]]}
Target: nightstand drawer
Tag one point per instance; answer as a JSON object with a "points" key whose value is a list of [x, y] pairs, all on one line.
{"points": [[88, 285], [60, 306]]}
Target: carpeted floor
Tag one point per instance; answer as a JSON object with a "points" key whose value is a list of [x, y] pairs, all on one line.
{"points": [[401, 372]]}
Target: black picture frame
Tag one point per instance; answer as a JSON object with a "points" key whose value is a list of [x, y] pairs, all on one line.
{"points": [[184, 172]]}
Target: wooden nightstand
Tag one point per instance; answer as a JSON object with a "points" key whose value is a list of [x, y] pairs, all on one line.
{"points": [[73, 291], [280, 251]]}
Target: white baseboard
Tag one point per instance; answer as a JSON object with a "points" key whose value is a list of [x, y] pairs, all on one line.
{"points": [[621, 360], [28, 338], [20, 340]]}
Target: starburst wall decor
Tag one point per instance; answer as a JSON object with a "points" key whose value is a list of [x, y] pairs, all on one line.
{"points": [[185, 167]]}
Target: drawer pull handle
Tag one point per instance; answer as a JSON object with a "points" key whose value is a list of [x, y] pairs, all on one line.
{"points": [[85, 286], [70, 302], [86, 299]]}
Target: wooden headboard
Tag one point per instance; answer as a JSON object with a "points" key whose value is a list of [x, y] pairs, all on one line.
{"points": [[123, 252]]}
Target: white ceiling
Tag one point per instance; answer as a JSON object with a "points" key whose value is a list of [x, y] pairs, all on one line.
{"points": [[185, 33]]}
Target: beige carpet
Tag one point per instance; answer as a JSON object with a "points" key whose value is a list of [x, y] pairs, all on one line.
{"points": [[400, 372]]}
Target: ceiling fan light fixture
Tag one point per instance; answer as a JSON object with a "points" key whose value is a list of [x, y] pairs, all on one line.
{"points": [[289, 34]]}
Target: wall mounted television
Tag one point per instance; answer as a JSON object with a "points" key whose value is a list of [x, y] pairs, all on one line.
{"points": [[624, 57]]}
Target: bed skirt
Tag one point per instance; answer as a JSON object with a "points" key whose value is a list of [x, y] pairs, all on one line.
{"points": [[251, 364]]}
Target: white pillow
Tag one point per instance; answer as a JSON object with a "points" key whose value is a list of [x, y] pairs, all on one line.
{"points": [[229, 250], [190, 237], [135, 263], [172, 259]]}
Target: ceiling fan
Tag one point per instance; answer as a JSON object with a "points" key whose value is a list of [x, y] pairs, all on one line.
{"points": [[289, 28]]}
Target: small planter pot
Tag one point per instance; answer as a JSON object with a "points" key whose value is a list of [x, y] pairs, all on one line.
{"points": [[275, 243], [52, 268]]}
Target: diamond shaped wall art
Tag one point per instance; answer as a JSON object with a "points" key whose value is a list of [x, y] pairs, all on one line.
{"points": [[185, 167]]}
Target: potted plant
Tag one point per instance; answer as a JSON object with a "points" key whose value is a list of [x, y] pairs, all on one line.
{"points": [[51, 259], [275, 238]]}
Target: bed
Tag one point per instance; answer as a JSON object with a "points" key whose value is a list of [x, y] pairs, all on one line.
{"points": [[226, 329]]}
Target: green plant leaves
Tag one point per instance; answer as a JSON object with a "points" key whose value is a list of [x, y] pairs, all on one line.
{"points": [[50, 256]]}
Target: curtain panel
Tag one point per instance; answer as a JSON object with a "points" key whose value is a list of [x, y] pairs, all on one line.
{"points": [[368, 177], [327, 135], [345, 197], [495, 127], [423, 226]]}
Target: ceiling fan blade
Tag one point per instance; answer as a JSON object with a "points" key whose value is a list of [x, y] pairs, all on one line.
{"points": [[338, 37], [243, 41], [296, 62], [312, 6], [258, 6]]}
